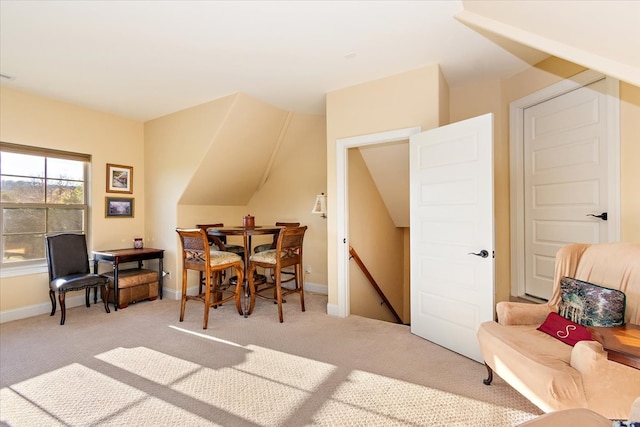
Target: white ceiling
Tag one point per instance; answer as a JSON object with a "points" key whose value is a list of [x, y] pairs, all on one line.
{"points": [[146, 59]]}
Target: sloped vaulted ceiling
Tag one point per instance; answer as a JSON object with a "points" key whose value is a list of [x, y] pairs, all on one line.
{"points": [[388, 165], [601, 35], [239, 155]]}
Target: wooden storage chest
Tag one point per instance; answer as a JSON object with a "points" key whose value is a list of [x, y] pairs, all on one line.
{"points": [[134, 285]]}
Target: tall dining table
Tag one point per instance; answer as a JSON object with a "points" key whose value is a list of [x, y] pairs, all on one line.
{"points": [[247, 233]]}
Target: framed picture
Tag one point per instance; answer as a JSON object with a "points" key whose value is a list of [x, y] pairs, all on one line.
{"points": [[118, 207], [119, 179]]}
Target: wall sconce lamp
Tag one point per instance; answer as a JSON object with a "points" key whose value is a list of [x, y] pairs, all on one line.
{"points": [[320, 206]]}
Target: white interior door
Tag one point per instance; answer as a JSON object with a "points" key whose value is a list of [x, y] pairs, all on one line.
{"points": [[451, 186], [565, 179]]}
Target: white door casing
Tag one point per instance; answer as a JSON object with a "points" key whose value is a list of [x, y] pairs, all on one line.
{"points": [[565, 180], [451, 199], [341, 308], [564, 165]]}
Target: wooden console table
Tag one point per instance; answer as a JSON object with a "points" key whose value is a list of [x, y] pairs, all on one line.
{"points": [[622, 343], [121, 256]]}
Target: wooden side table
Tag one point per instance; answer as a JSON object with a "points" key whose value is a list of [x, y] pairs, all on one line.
{"points": [[622, 343], [121, 256]]}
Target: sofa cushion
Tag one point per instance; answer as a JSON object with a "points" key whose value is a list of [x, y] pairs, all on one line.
{"points": [[538, 364], [569, 417], [564, 329], [591, 305]]}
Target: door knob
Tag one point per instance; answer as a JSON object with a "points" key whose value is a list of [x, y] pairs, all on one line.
{"points": [[483, 253], [602, 216]]}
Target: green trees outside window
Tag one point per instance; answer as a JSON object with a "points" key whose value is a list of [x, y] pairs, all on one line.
{"points": [[40, 192]]}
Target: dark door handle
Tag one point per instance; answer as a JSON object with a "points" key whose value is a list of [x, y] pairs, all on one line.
{"points": [[483, 253], [602, 216]]}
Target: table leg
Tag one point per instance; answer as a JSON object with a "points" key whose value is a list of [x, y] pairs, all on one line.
{"points": [[95, 290], [245, 298], [160, 276], [115, 286], [245, 281]]}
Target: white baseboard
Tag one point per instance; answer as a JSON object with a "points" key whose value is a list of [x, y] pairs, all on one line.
{"points": [[332, 310], [175, 295], [78, 300], [44, 308], [318, 289], [193, 290]]}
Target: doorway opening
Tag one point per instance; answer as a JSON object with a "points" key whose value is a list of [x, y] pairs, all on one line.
{"points": [[343, 145]]}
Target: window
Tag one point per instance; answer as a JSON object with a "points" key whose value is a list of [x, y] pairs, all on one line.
{"points": [[41, 191]]}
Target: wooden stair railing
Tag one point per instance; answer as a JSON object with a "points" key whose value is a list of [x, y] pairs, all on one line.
{"points": [[375, 286]]}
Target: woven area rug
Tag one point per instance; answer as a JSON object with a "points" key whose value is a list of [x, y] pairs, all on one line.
{"points": [[140, 366]]}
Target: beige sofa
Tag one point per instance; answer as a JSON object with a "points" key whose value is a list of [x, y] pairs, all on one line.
{"points": [[579, 417], [556, 376]]}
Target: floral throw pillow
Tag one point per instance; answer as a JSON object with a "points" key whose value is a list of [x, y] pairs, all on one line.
{"points": [[591, 305]]}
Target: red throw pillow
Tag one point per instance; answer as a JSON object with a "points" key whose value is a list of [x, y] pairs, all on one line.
{"points": [[564, 329]]}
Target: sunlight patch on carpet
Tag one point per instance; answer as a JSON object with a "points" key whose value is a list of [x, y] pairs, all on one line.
{"points": [[77, 395], [205, 336], [261, 386], [150, 364], [376, 400], [265, 388]]}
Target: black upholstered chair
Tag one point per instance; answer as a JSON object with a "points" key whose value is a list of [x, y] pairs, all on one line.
{"points": [[68, 263]]}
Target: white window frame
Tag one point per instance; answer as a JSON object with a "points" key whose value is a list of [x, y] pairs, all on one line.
{"points": [[20, 268]]}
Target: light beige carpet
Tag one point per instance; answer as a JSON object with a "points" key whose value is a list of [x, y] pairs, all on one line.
{"points": [[140, 366]]}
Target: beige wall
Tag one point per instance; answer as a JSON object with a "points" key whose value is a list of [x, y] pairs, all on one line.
{"points": [[349, 110], [378, 243], [404, 100], [183, 147], [553, 70], [474, 100], [163, 153], [494, 96], [174, 146], [30, 120], [444, 99], [630, 162], [299, 173], [167, 155]]}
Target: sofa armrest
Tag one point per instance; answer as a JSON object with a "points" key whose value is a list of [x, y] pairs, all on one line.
{"points": [[635, 411], [587, 356], [521, 313], [610, 387]]}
